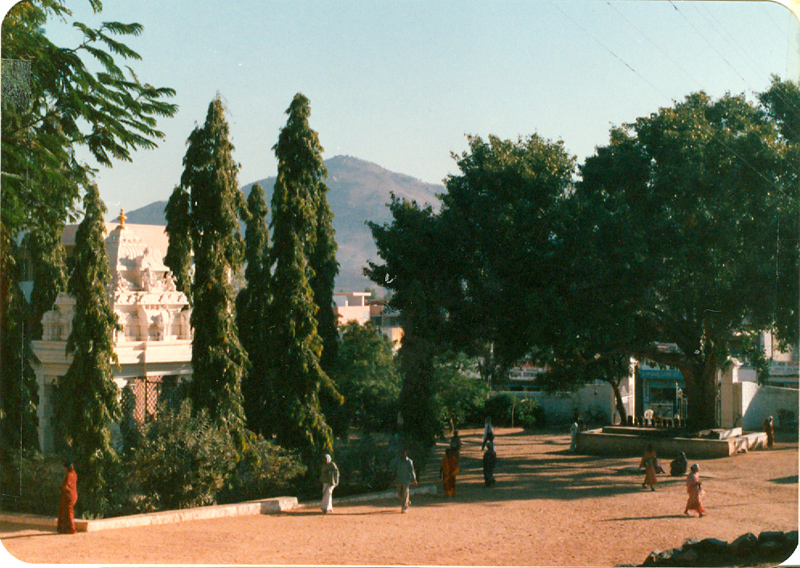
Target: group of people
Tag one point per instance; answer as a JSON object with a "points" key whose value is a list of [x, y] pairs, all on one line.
{"points": [[329, 478], [449, 466], [677, 467]]}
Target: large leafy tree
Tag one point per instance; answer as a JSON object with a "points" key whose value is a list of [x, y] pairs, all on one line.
{"points": [[697, 216], [367, 377], [53, 104], [87, 401], [413, 249], [60, 104], [295, 345], [210, 178], [502, 218], [252, 310], [474, 277]]}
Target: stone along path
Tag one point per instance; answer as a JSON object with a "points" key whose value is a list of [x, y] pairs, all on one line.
{"points": [[549, 508]]}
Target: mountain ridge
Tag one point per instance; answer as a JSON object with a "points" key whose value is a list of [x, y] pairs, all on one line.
{"points": [[358, 191]]}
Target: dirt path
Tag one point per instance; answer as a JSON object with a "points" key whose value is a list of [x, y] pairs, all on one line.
{"points": [[549, 508]]}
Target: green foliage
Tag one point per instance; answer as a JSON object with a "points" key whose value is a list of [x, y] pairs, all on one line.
{"points": [[710, 249], [87, 398], [252, 310], [31, 483], [182, 461], [179, 231], [460, 397], [295, 345], [413, 248], [528, 414], [498, 407], [18, 388], [365, 465], [61, 104], [210, 177], [263, 470], [52, 104], [366, 375]]}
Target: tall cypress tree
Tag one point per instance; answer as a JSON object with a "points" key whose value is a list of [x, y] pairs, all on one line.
{"points": [[295, 344], [325, 267], [87, 400], [178, 229], [210, 178], [252, 309], [18, 390]]}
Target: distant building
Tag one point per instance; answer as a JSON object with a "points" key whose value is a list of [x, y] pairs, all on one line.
{"points": [[355, 306], [352, 306]]}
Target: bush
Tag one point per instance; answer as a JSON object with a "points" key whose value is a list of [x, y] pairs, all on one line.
{"points": [[182, 461], [528, 414], [31, 483], [498, 407], [263, 470], [365, 465]]}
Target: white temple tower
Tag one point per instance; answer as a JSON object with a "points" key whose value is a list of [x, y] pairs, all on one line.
{"points": [[154, 347]]}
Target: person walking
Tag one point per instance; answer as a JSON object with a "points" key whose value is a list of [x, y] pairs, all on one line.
{"points": [[329, 477], [695, 490], [488, 432], [448, 471], [405, 478], [769, 430], [649, 463], [66, 504], [573, 433], [489, 463], [455, 444]]}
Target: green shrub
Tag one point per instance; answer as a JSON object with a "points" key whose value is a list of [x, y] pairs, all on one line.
{"points": [[365, 465], [263, 470], [498, 407], [528, 414], [31, 483], [181, 461]]}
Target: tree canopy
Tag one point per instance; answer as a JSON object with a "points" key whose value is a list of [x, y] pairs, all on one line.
{"points": [[678, 244]]}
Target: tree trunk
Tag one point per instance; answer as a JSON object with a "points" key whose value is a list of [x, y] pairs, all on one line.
{"points": [[701, 390], [623, 414]]}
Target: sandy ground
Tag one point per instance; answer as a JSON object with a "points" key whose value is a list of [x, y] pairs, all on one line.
{"points": [[549, 508]]}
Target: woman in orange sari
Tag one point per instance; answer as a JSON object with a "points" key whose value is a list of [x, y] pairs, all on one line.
{"points": [[649, 462], [695, 491], [448, 471], [69, 496]]}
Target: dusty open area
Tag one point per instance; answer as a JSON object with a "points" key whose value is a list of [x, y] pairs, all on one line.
{"points": [[549, 508]]}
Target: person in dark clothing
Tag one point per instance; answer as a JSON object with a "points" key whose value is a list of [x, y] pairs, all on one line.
{"points": [[489, 463]]}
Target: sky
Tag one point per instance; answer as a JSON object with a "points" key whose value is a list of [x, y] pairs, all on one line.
{"points": [[401, 83]]}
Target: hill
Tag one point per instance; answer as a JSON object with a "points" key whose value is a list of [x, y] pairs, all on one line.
{"points": [[358, 192]]}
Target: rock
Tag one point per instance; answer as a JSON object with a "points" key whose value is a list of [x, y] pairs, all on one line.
{"points": [[691, 543], [712, 545], [652, 558], [769, 548], [744, 544], [791, 539], [686, 557], [771, 536]]}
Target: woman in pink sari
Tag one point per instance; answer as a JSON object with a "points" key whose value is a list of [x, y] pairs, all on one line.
{"points": [[695, 491]]}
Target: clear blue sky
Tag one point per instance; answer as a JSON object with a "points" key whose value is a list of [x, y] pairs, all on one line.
{"points": [[400, 83]]}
